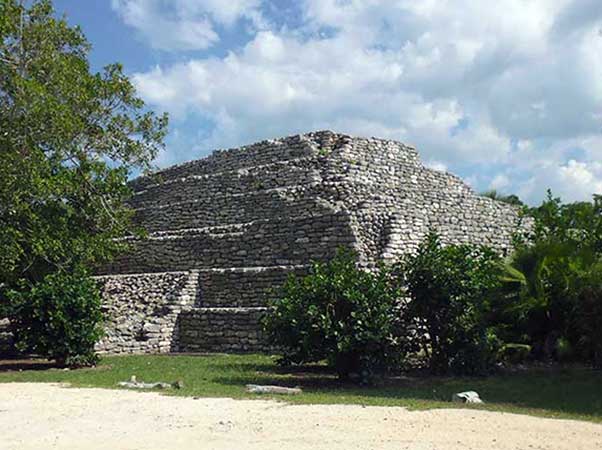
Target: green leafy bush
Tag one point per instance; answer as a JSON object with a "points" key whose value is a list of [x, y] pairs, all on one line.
{"points": [[6, 340], [588, 316], [58, 318], [544, 308], [450, 290], [514, 353], [564, 350], [558, 311], [342, 314]]}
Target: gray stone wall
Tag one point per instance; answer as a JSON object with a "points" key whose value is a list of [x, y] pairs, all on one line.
{"points": [[243, 219], [243, 287], [279, 174], [394, 200], [264, 153], [281, 241], [142, 311], [221, 209], [6, 339], [222, 330]]}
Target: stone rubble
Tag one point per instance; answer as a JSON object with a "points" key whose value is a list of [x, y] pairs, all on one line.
{"points": [[135, 384]]}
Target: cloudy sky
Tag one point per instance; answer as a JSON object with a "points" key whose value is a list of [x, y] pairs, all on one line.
{"points": [[506, 94]]}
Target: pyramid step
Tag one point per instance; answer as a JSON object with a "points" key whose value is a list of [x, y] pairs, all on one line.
{"points": [[259, 154], [244, 287], [281, 241], [237, 330], [254, 179], [141, 310], [224, 209]]}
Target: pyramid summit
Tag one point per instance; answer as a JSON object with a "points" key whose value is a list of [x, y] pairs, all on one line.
{"points": [[225, 230]]}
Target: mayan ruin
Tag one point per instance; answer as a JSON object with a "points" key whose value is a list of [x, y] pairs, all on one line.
{"points": [[226, 230]]}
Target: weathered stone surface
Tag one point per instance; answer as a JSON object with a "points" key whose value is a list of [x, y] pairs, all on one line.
{"points": [[227, 229], [142, 310], [261, 389], [222, 329], [467, 397], [135, 384], [6, 339]]}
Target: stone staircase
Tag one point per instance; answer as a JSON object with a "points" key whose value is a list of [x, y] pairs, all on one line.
{"points": [[231, 303]]}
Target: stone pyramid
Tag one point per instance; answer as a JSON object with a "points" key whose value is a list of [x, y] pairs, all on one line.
{"points": [[227, 229]]}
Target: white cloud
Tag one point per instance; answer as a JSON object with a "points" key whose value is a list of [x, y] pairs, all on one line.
{"points": [[571, 181], [225, 12], [500, 182], [581, 179], [184, 24], [436, 165], [508, 88], [261, 90]]}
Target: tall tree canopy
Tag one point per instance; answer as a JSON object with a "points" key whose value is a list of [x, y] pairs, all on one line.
{"points": [[69, 138]]}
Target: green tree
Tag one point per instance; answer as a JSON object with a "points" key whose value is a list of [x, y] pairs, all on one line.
{"points": [[340, 313], [69, 139], [451, 292], [58, 317], [578, 224], [560, 300], [589, 313]]}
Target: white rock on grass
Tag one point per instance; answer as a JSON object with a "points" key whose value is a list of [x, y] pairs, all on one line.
{"points": [[258, 389], [466, 397]]}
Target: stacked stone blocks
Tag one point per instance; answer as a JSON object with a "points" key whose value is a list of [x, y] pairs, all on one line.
{"points": [[226, 230]]}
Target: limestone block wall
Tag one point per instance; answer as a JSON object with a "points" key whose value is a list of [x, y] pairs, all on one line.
{"points": [[226, 229], [142, 311], [223, 330], [395, 200], [281, 241], [243, 287], [230, 209], [161, 190], [6, 338], [251, 157], [196, 311]]}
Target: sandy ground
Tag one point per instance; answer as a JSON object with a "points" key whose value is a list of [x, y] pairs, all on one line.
{"points": [[46, 416]]}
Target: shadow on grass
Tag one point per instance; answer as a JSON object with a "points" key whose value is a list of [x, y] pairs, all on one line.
{"points": [[18, 364], [574, 391]]}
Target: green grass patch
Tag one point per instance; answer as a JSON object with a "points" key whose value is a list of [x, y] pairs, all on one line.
{"points": [[573, 393]]}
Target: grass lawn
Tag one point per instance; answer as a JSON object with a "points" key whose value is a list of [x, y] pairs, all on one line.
{"points": [[573, 393]]}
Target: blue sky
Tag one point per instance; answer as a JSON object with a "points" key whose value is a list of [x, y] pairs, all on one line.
{"points": [[508, 97]]}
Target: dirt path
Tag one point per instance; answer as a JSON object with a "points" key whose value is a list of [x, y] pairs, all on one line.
{"points": [[46, 416]]}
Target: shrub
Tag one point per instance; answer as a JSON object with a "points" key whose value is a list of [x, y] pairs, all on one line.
{"points": [[58, 318], [589, 315], [450, 291], [514, 353], [342, 314], [564, 350], [560, 260], [545, 307]]}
